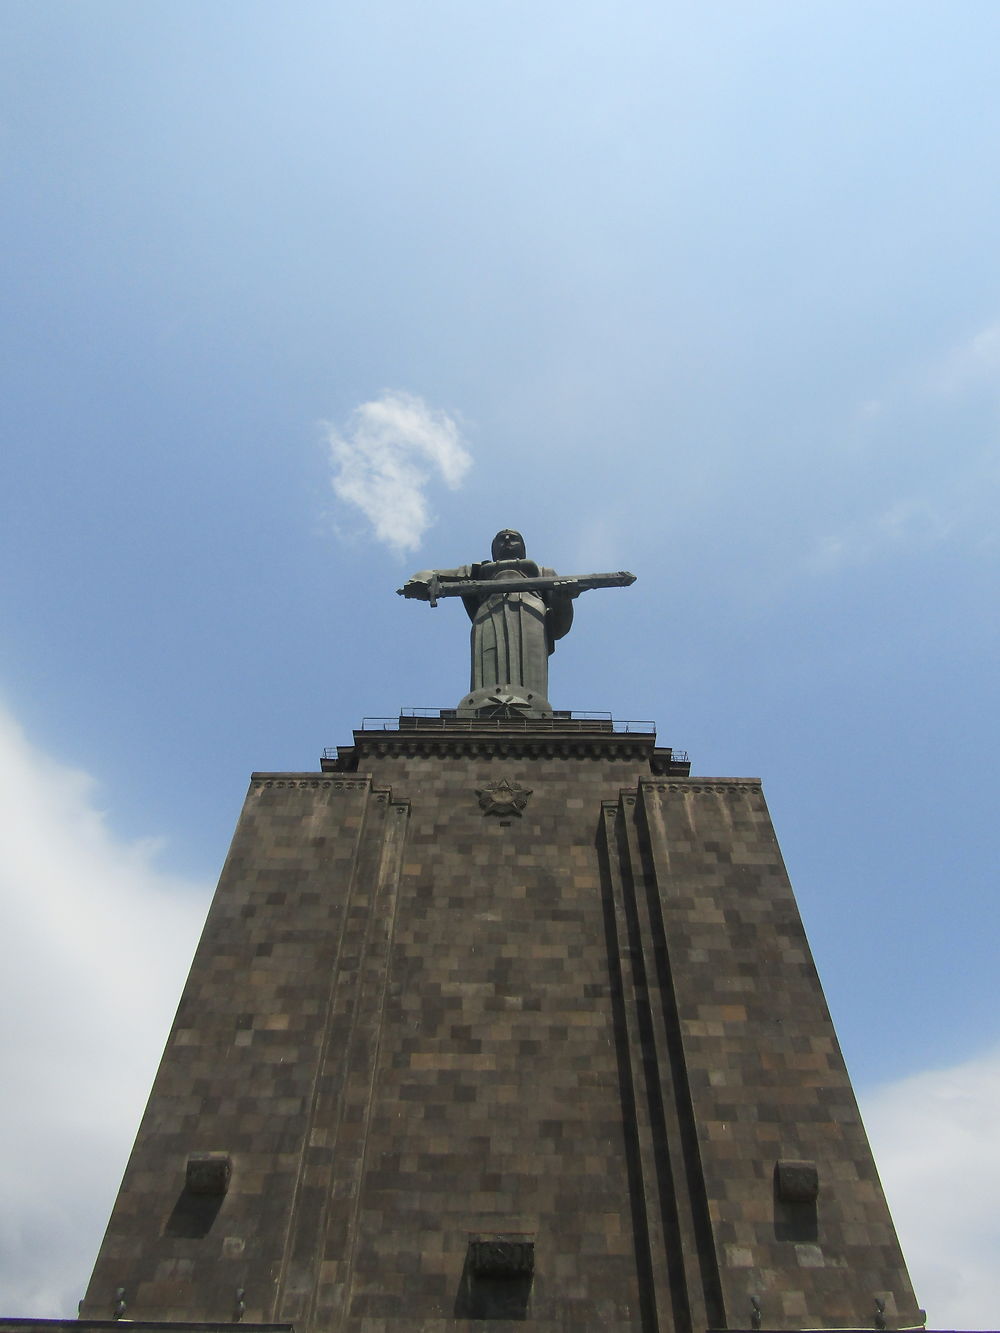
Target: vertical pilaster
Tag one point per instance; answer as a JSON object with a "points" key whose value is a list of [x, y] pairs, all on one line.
{"points": [[681, 1225], [767, 1086]]}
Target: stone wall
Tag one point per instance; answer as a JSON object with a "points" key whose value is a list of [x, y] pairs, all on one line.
{"points": [[495, 1029]]}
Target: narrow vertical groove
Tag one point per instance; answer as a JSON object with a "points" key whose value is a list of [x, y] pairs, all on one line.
{"points": [[678, 1232], [679, 1306], [690, 1151], [649, 1295]]}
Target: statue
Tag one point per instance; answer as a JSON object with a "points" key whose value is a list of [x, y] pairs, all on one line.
{"points": [[518, 610]]}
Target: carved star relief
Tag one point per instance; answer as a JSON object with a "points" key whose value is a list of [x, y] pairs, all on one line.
{"points": [[502, 703], [502, 798]]}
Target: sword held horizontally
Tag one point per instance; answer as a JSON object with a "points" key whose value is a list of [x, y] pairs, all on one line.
{"points": [[572, 585]]}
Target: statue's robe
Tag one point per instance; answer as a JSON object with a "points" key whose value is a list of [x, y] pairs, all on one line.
{"points": [[513, 633]]}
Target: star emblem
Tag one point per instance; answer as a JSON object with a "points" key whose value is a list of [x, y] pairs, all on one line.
{"points": [[502, 798], [502, 703]]}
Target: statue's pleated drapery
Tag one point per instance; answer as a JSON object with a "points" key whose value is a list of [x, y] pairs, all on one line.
{"points": [[509, 643], [513, 633]]}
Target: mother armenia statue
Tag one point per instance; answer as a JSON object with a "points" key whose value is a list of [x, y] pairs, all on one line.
{"points": [[518, 610]]}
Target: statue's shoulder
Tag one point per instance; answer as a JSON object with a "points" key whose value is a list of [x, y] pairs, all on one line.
{"points": [[527, 568]]}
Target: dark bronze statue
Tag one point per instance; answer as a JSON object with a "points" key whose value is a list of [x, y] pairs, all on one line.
{"points": [[518, 610]]}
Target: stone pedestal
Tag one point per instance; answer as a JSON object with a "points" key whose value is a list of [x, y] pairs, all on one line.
{"points": [[501, 1020]]}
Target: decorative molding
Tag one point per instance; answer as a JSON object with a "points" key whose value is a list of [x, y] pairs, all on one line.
{"points": [[735, 787], [502, 798], [328, 784], [505, 747]]}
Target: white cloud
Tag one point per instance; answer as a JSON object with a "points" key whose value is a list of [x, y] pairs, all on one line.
{"points": [[391, 450], [94, 945], [935, 1140]]}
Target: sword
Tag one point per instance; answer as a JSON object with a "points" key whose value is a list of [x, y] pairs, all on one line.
{"points": [[574, 583]]}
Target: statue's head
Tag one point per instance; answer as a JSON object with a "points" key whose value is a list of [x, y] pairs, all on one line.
{"points": [[508, 545]]}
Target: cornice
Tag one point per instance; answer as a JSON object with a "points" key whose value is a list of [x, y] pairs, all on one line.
{"points": [[702, 786], [328, 781], [544, 744]]}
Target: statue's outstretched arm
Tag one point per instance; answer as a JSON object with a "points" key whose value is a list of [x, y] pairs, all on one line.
{"points": [[421, 584]]}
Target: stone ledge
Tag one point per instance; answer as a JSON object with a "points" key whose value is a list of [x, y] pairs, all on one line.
{"points": [[601, 745], [13, 1325]]}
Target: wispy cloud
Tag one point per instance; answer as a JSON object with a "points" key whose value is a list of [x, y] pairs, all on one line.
{"points": [[94, 945], [938, 1152], [387, 456], [973, 361], [906, 523], [926, 454]]}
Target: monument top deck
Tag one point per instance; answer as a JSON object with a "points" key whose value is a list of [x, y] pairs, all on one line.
{"points": [[427, 730], [503, 719]]}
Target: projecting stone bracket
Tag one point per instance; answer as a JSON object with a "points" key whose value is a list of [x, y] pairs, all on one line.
{"points": [[796, 1218], [796, 1181], [206, 1180], [208, 1173], [502, 1258], [496, 1281]]}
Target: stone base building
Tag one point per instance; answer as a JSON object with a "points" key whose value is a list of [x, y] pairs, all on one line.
{"points": [[502, 1020]]}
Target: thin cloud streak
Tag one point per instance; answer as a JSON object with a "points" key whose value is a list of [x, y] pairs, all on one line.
{"points": [[958, 510], [909, 522], [391, 451], [971, 363], [946, 481]]}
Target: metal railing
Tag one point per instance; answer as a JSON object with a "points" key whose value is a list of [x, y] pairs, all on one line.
{"points": [[565, 723], [596, 715], [433, 721]]}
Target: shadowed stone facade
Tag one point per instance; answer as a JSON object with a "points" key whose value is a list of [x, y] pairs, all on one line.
{"points": [[503, 1022]]}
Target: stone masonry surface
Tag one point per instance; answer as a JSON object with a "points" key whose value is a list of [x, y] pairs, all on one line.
{"points": [[594, 1026]]}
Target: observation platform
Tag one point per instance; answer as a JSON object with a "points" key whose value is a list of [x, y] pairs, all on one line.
{"points": [[419, 731]]}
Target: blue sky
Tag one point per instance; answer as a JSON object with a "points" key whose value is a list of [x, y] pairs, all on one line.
{"points": [[707, 293]]}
